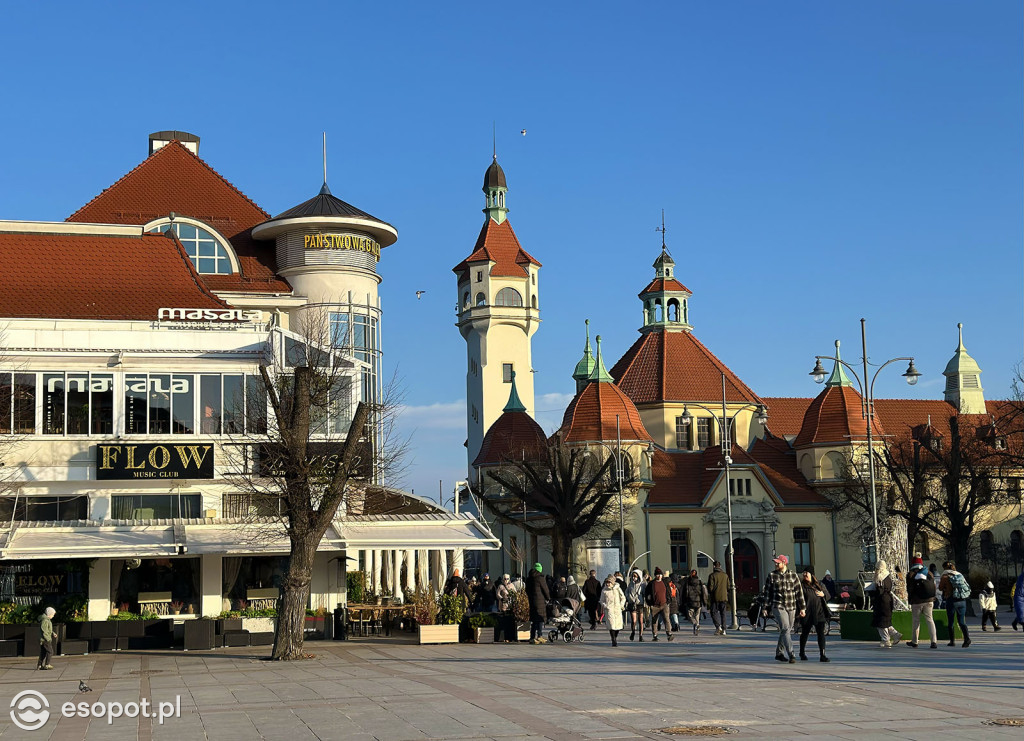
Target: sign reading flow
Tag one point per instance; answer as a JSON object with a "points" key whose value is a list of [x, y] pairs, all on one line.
{"points": [[154, 461]]}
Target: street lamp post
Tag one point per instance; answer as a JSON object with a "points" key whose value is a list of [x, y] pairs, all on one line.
{"points": [[867, 408], [619, 485], [723, 426]]}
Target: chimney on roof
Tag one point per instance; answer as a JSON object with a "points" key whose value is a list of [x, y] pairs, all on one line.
{"points": [[163, 138]]}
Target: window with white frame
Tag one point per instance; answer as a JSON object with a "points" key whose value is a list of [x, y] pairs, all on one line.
{"points": [[205, 251]]}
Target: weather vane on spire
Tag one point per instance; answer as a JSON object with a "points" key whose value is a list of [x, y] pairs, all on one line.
{"points": [[494, 139], [662, 229]]}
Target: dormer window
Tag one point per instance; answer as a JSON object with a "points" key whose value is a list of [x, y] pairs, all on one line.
{"points": [[207, 251]]}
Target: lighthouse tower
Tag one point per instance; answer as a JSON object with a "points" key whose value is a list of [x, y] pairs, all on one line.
{"points": [[498, 312]]}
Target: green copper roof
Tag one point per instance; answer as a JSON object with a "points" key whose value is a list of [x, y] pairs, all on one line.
{"points": [[586, 366], [599, 373], [514, 404], [961, 362], [838, 377]]}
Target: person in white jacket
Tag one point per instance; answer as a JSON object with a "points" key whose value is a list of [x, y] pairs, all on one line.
{"points": [[987, 600], [613, 601]]}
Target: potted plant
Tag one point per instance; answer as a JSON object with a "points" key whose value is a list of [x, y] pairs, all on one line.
{"points": [[481, 622], [521, 610], [176, 607], [429, 628]]}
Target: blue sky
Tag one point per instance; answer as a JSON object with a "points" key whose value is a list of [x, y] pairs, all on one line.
{"points": [[817, 162]]}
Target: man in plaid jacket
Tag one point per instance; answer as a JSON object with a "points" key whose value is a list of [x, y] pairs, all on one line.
{"points": [[784, 596]]}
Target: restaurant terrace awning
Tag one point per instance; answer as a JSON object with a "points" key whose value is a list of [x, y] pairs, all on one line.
{"points": [[417, 531], [91, 541]]}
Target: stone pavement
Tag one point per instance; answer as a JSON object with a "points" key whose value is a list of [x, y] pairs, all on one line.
{"points": [[389, 689]]}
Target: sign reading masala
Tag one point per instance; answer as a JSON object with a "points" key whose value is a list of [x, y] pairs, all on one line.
{"points": [[341, 242]]}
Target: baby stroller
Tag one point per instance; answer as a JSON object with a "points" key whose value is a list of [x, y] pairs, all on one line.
{"points": [[754, 615], [566, 622]]}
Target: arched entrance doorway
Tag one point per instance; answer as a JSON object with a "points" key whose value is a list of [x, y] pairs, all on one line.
{"points": [[746, 566]]}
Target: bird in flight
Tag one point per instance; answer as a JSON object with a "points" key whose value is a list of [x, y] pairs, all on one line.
{"points": [[419, 294], [523, 132]]}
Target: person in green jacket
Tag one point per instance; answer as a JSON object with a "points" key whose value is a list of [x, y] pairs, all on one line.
{"points": [[46, 638], [718, 596]]}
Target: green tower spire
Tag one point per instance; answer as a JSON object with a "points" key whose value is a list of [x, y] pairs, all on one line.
{"points": [[586, 365], [838, 377], [599, 373], [514, 404]]}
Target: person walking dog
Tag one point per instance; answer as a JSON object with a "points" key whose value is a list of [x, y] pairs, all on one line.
{"points": [[784, 596]]}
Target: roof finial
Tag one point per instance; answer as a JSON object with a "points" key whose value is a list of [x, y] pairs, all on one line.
{"points": [[662, 230], [494, 139], [325, 190], [586, 348], [960, 336], [600, 373], [514, 404], [838, 377]]}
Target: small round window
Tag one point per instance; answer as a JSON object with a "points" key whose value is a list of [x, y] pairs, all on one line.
{"points": [[204, 250]]}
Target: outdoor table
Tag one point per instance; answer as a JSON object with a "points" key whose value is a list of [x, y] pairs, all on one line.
{"points": [[382, 614]]}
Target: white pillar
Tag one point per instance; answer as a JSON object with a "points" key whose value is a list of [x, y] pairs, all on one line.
{"points": [[212, 580], [99, 589], [423, 569], [410, 569], [375, 572], [396, 571]]}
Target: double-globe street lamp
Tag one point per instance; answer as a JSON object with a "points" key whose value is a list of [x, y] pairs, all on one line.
{"points": [[726, 447], [867, 395], [618, 452]]}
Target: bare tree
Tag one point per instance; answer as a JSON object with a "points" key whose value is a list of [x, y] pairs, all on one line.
{"points": [[946, 489], [315, 457], [565, 488]]}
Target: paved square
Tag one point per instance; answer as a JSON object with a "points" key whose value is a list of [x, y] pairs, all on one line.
{"points": [[393, 689]]}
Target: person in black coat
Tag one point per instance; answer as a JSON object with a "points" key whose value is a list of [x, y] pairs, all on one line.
{"points": [[592, 597], [816, 617], [881, 605], [539, 595], [485, 595]]}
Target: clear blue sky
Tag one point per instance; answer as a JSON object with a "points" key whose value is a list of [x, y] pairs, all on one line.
{"points": [[817, 162]]}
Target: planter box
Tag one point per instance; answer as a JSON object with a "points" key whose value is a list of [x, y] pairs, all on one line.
{"points": [[259, 625], [855, 625], [438, 633]]}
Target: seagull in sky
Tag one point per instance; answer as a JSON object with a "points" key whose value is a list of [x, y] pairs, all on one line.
{"points": [[523, 132], [419, 294]]}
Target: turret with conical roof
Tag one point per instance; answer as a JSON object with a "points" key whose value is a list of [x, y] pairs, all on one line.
{"points": [[495, 189], [963, 380], [666, 301], [581, 374]]}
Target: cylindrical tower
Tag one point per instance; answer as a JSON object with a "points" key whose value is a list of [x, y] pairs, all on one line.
{"points": [[328, 251]]}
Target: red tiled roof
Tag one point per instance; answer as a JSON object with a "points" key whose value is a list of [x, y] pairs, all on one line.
{"points": [[778, 462], [97, 277], [511, 434], [174, 179], [686, 478], [664, 284], [675, 366], [498, 243], [591, 415], [786, 414], [834, 416]]}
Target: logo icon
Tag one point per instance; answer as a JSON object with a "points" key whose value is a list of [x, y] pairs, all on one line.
{"points": [[30, 710]]}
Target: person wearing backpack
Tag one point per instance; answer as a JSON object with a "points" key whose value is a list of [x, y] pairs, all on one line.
{"points": [[956, 592], [921, 593]]}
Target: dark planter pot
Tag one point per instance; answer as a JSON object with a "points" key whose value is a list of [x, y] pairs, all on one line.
{"points": [[200, 635], [506, 630]]}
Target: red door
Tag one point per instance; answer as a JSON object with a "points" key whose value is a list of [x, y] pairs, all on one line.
{"points": [[746, 565]]}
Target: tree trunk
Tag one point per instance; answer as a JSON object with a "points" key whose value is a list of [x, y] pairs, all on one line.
{"points": [[291, 611], [560, 545]]}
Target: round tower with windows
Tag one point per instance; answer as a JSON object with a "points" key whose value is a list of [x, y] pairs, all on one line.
{"points": [[498, 312]]}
